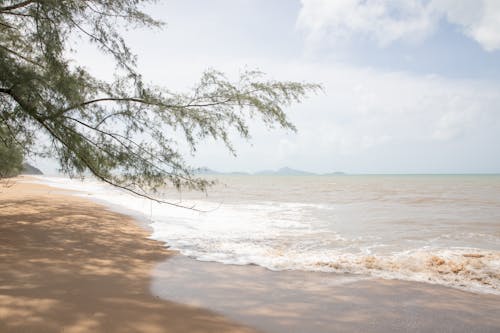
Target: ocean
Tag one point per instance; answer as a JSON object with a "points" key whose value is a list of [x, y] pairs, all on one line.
{"points": [[439, 229]]}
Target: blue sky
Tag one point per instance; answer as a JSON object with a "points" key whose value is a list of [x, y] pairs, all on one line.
{"points": [[410, 86]]}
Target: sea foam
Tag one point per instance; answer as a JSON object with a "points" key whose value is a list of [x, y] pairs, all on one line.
{"points": [[298, 236]]}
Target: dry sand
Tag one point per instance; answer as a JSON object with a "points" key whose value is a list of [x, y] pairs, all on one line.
{"points": [[70, 265]]}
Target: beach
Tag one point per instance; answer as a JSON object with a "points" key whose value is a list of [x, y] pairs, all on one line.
{"points": [[69, 264], [298, 301]]}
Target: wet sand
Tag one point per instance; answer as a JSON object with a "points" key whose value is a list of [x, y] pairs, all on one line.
{"points": [[70, 265], [298, 301]]}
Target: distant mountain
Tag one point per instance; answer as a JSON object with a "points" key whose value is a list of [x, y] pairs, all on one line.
{"points": [[28, 169], [286, 171], [293, 172]]}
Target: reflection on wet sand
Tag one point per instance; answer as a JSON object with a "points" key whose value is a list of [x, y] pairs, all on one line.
{"points": [[296, 301]]}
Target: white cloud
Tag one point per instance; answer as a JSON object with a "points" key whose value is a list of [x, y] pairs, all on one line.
{"points": [[479, 19], [384, 21], [387, 21], [363, 111], [401, 107]]}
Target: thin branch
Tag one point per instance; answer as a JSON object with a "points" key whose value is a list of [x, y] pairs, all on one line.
{"points": [[21, 56], [117, 137], [105, 46], [89, 165], [106, 180], [140, 101], [111, 115], [16, 14], [98, 100], [105, 14], [7, 25], [16, 6]]}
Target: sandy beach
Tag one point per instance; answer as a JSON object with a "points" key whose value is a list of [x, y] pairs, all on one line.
{"points": [[70, 265], [299, 301]]}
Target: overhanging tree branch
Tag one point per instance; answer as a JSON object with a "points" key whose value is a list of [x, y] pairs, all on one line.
{"points": [[125, 132], [89, 165]]}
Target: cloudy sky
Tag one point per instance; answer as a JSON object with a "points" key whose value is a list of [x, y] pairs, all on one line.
{"points": [[410, 86]]}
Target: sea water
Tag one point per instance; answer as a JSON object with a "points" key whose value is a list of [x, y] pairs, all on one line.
{"points": [[440, 229]]}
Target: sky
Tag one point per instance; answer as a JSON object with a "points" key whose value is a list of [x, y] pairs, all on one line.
{"points": [[409, 86]]}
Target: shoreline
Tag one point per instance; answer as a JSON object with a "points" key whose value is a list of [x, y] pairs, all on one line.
{"points": [[284, 301], [319, 302], [455, 267], [69, 264]]}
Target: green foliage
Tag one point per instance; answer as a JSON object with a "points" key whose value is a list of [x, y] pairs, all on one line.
{"points": [[11, 156], [123, 132]]}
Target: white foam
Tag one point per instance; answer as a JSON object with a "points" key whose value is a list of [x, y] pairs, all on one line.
{"points": [[282, 236]]}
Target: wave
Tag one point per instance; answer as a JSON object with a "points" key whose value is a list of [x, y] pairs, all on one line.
{"points": [[468, 269], [292, 236], [463, 268]]}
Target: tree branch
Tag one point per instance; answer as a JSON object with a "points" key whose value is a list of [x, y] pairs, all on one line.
{"points": [[118, 138], [16, 6], [140, 101], [21, 56], [41, 121]]}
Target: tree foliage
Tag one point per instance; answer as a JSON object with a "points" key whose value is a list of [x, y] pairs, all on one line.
{"points": [[11, 156], [122, 131]]}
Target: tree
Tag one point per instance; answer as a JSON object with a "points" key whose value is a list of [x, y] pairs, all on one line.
{"points": [[119, 131], [11, 160], [11, 156]]}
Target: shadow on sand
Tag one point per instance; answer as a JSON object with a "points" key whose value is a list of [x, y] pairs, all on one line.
{"points": [[73, 266]]}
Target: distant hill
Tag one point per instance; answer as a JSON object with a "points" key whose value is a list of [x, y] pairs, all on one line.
{"points": [[28, 169], [286, 171]]}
